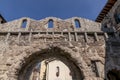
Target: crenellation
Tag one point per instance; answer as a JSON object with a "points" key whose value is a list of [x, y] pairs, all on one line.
{"points": [[42, 25], [30, 37], [7, 37], [76, 36], [27, 37], [96, 37], [86, 37]]}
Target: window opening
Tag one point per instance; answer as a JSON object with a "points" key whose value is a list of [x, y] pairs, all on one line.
{"points": [[77, 23], [57, 71], [24, 23], [50, 23]]}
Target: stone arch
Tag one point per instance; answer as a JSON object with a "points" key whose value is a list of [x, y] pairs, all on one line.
{"points": [[24, 23], [50, 20], [77, 23], [50, 23], [68, 55]]}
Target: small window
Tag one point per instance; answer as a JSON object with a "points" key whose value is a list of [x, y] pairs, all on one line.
{"points": [[77, 23], [57, 71], [24, 23], [50, 23]]}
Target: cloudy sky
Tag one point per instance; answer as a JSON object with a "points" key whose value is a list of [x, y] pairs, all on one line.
{"points": [[39, 9]]}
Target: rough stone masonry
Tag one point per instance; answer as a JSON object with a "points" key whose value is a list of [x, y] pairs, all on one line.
{"points": [[84, 46], [90, 49]]}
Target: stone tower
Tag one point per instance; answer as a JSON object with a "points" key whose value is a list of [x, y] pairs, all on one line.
{"points": [[57, 49]]}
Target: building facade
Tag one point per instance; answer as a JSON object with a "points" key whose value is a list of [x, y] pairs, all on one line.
{"points": [[57, 49]]}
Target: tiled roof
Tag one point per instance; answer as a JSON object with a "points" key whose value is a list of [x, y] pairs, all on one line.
{"points": [[105, 10]]}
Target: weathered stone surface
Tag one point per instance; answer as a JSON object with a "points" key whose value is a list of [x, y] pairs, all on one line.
{"points": [[81, 45]]}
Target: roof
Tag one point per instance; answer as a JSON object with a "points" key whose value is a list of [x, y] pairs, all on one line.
{"points": [[3, 20], [105, 10]]}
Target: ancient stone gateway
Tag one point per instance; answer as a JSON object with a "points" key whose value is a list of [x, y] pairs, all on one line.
{"points": [[57, 49], [71, 49]]}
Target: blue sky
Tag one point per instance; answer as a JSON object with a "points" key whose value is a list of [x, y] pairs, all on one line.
{"points": [[39, 9]]}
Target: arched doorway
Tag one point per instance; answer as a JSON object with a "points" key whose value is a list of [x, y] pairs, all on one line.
{"points": [[50, 67]]}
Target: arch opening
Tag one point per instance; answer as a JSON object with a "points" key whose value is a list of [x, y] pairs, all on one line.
{"points": [[77, 23], [50, 67], [50, 23], [24, 23]]}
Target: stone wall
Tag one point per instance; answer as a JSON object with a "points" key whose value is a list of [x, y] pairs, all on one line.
{"points": [[59, 25], [109, 22], [84, 46], [14, 56]]}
